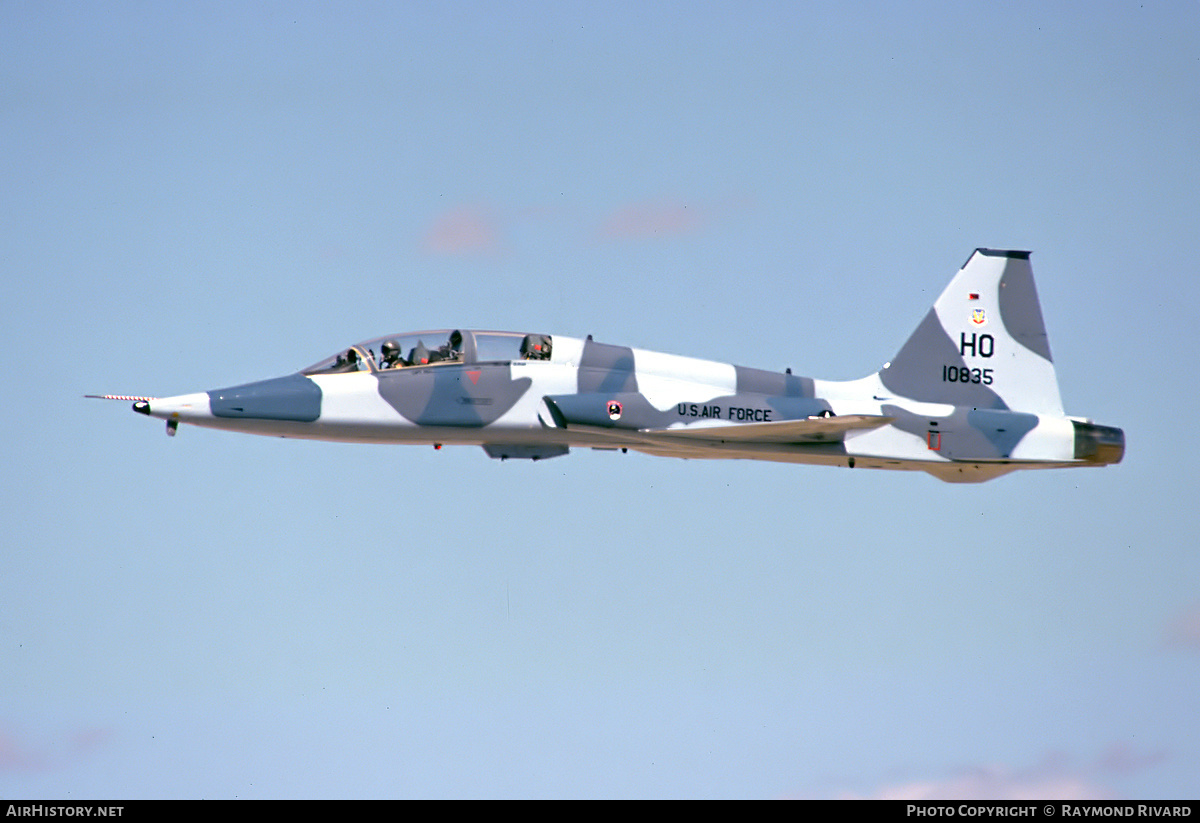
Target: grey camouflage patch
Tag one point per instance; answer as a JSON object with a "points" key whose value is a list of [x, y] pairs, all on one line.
{"points": [[606, 369], [915, 372], [452, 394], [966, 434], [1020, 309], [293, 397], [757, 381]]}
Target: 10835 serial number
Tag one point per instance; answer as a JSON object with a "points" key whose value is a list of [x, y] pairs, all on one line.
{"points": [[962, 374]]}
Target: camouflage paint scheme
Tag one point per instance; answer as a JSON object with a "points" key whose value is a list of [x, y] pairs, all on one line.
{"points": [[970, 396]]}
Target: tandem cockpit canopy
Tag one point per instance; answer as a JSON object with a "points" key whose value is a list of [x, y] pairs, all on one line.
{"points": [[432, 348]]}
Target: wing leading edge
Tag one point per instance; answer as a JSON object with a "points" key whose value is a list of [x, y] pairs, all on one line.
{"points": [[809, 430], [821, 428]]}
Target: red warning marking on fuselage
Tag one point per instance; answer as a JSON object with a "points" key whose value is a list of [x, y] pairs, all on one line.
{"points": [[474, 375]]}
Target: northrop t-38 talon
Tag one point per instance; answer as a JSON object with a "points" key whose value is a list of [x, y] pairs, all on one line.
{"points": [[970, 396]]}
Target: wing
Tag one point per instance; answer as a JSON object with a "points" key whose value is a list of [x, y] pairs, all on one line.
{"points": [[809, 430], [627, 420], [697, 437]]}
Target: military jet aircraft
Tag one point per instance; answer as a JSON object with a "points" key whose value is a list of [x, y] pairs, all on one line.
{"points": [[970, 396]]}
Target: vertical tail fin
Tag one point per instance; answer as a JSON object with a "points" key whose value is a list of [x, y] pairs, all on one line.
{"points": [[983, 344]]}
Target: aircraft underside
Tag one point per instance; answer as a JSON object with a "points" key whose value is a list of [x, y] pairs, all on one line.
{"points": [[541, 442]]}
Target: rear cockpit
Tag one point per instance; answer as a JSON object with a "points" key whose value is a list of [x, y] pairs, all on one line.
{"points": [[433, 348]]}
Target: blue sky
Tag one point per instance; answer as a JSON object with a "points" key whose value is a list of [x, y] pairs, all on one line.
{"points": [[199, 196]]}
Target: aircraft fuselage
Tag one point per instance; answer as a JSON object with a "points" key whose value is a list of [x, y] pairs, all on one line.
{"points": [[970, 396]]}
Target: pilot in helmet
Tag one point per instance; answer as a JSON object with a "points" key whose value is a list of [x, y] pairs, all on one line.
{"points": [[392, 355]]}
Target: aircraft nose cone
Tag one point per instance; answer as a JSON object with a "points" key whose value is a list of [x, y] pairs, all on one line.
{"points": [[142, 407]]}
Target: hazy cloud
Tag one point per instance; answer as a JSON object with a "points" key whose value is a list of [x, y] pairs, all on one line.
{"points": [[1184, 631], [19, 755], [16, 756], [476, 229], [660, 218], [464, 230], [1055, 778], [1121, 759], [996, 783]]}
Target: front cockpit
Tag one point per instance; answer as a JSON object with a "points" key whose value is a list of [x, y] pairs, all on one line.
{"points": [[432, 348]]}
